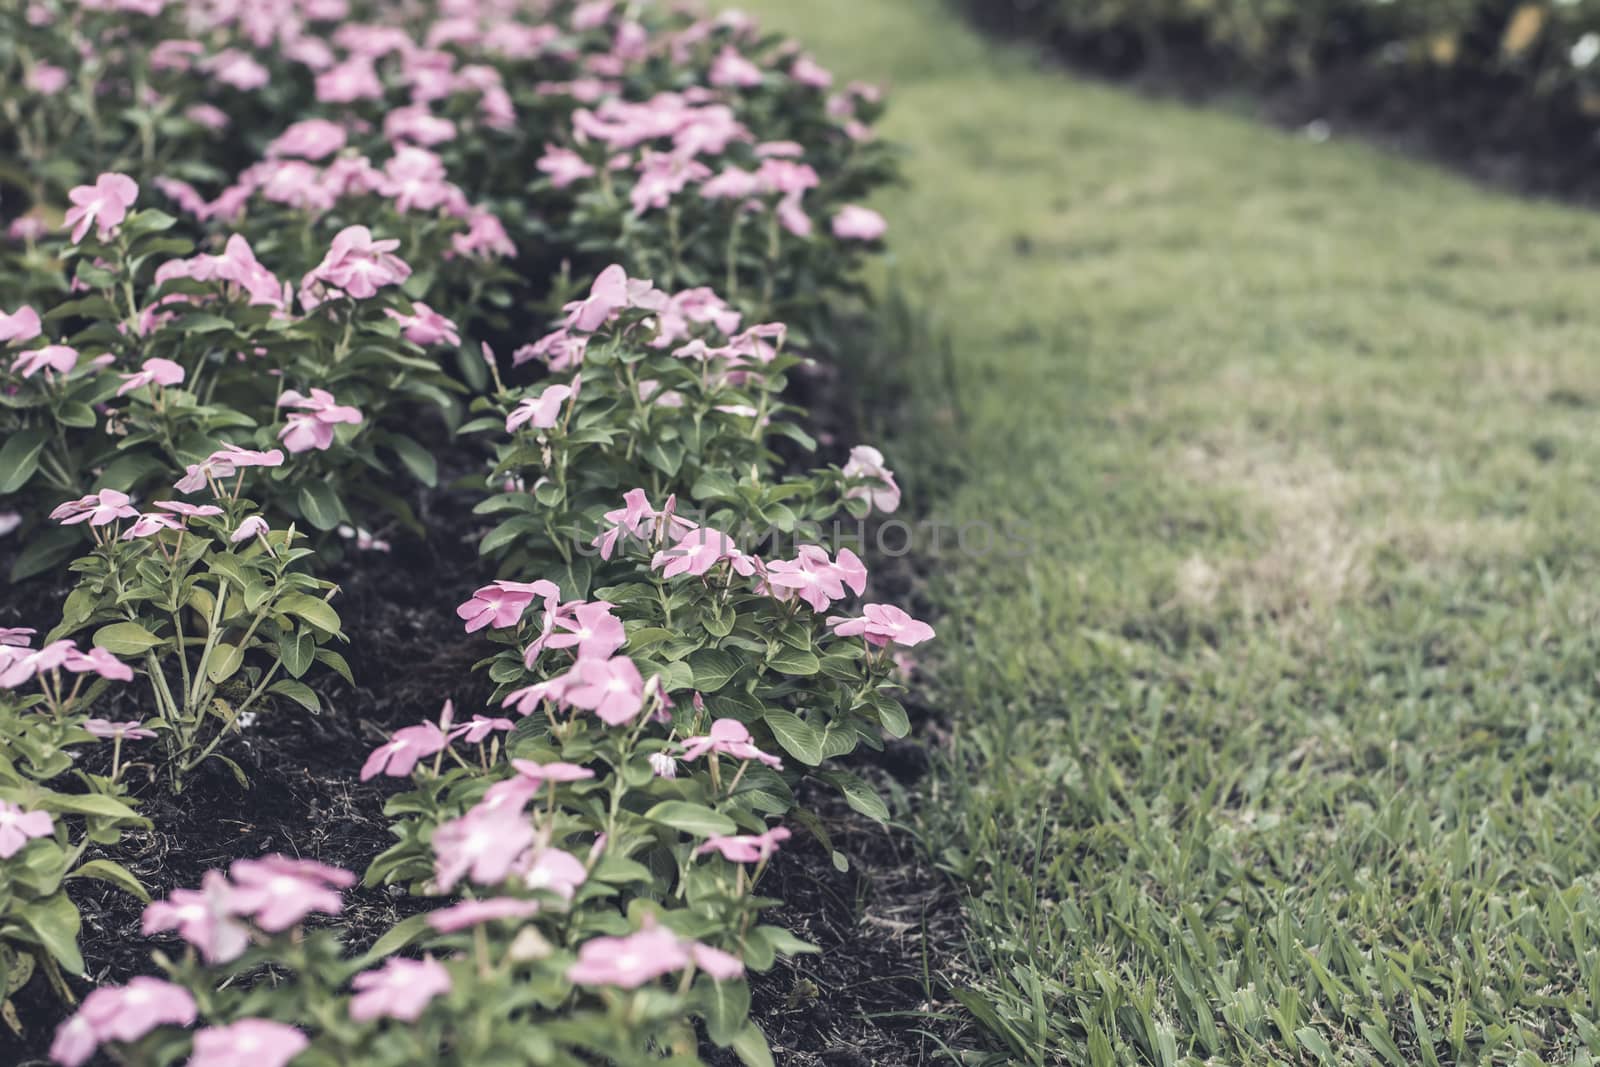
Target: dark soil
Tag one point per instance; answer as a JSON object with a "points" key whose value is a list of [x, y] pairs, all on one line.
{"points": [[1482, 122]]}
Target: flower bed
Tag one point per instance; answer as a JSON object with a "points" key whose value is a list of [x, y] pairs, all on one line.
{"points": [[269, 255]]}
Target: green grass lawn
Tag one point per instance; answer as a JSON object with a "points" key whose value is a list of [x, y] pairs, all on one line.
{"points": [[1280, 745]]}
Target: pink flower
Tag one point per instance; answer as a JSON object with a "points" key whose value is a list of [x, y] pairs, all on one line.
{"points": [[592, 628], [629, 962], [277, 892], [121, 1013], [356, 264], [225, 462], [22, 325], [189, 511], [17, 826], [59, 358], [158, 371], [247, 1043], [203, 917], [867, 462], [611, 688], [555, 871], [527, 699], [400, 989], [98, 661], [107, 730], [234, 68], [18, 665], [745, 848], [46, 79], [211, 117], [425, 326], [476, 912], [853, 223], [308, 139], [662, 765], [501, 604], [485, 238], [720, 965], [637, 518], [732, 69], [415, 180], [354, 79], [16, 636], [97, 509], [104, 205], [237, 267], [731, 184], [553, 772], [806, 71], [482, 845], [311, 427], [612, 291], [817, 579], [564, 166], [730, 738], [478, 729], [254, 526], [661, 177], [698, 551], [418, 125], [542, 411], [882, 624], [399, 756]]}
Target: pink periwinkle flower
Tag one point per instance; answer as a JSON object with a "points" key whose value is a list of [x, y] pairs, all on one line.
{"points": [[486, 238], [123, 1014], [883, 624], [591, 628], [237, 69], [308, 139], [501, 604], [611, 688], [47, 79], [58, 358], [807, 71], [613, 291], [203, 917], [354, 79], [400, 989], [540, 412], [107, 730], [853, 223], [419, 125], [730, 69], [225, 462], [97, 661], [425, 326], [400, 754], [211, 117], [311, 425], [469, 913], [730, 738], [867, 462], [745, 848], [278, 892], [237, 268], [103, 205], [17, 665], [632, 961], [356, 264], [153, 371], [483, 846], [248, 1043], [564, 166], [21, 325], [254, 526], [479, 729], [555, 772], [17, 826], [97, 509], [815, 578], [700, 550], [554, 870], [187, 510]]}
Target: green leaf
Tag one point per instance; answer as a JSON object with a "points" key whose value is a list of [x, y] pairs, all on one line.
{"points": [[45, 550], [418, 460], [751, 1046], [125, 638], [713, 668], [695, 819], [115, 873], [398, 937], [89, 804], [799, 738], [298, 651], [320, 505], [54, 922], [857, 793], [317, 612], [224, 662], [726, 1006], [298, 692], [794, 661], [19, 458]]}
